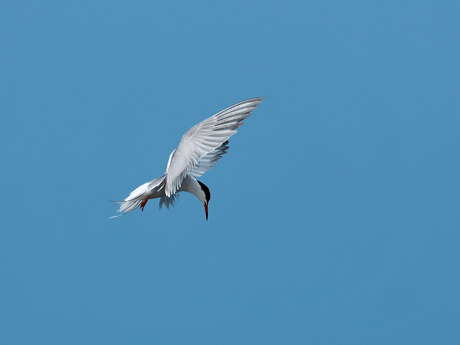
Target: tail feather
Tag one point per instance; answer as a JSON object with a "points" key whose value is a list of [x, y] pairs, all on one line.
{"points": [[129, 205], [139, 195]]}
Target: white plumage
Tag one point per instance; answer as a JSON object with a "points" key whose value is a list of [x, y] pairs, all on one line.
{"points": [[198, 150]]}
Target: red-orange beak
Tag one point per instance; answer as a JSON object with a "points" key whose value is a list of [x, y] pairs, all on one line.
{"points": [[206, 210]]}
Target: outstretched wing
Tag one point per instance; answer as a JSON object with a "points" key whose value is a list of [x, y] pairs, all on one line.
{"points": [[199, 147]]}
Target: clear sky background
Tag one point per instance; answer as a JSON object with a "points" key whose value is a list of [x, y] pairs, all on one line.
{"points": [[334, 217]]}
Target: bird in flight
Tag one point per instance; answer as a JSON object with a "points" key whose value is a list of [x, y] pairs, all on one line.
{"points": [[198, 150]]}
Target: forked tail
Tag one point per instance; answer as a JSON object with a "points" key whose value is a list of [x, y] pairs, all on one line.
{"points": [[140, 196]]}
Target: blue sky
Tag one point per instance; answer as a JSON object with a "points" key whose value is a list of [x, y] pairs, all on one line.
{"points": [[334, 217]]}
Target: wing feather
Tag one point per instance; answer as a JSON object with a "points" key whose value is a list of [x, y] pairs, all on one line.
{"points": [[205, 138], [207, 161]]}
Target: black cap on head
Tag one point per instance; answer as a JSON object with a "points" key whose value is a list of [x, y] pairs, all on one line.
{"points": [[206, 191]]}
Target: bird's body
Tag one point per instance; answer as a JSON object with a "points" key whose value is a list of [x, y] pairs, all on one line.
{"points": [[199, 149]]}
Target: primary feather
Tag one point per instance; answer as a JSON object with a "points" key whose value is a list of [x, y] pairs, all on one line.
{"points": [[203, 139]]}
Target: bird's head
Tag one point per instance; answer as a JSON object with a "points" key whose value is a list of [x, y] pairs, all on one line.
{"points": [[205, 197]]}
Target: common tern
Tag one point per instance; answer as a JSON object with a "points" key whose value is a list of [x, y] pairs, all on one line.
{"points": [[198, 150]]}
